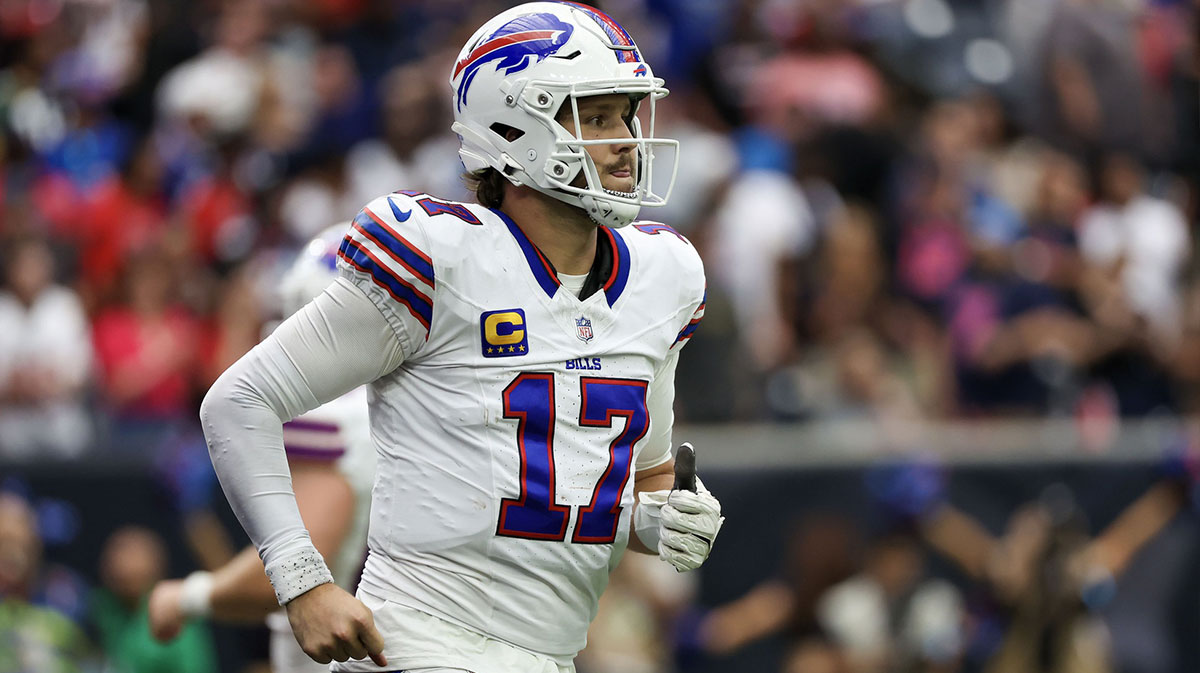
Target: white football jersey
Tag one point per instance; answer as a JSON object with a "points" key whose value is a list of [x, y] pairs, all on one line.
{"points": [[508, 439], [338, 432]]}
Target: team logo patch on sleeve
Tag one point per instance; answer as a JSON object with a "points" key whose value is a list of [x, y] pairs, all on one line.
{"points": [[503, 333]]}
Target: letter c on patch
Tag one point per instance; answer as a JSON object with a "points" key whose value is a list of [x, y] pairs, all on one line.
{"points": [[504, 328]]}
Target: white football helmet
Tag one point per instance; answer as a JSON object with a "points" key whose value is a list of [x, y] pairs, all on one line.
{"points": [[313, 270], [519, 69]]}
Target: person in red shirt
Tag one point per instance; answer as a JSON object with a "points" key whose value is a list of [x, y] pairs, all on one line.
{"points": [[124, 214], [146, 347]]}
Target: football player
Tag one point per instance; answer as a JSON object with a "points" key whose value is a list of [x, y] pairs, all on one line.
{"points": [[520, 355], [332, 462]]}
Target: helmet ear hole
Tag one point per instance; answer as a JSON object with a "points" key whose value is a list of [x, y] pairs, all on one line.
{"points": [[508, 133]]}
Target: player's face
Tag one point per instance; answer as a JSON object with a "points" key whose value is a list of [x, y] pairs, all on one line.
{"points": [[603, 117]]}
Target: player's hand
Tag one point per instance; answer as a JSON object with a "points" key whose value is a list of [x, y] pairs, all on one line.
{"points": [[332, 625], [691, 517], [165, 610]]}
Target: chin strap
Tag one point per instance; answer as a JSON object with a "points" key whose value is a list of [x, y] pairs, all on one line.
{"points": [[608, 214]]}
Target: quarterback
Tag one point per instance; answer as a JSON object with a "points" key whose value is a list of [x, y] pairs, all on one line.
{"points": [[520, 356]]}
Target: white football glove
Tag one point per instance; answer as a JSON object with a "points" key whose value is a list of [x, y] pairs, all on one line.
{"points": [[681, 525]]}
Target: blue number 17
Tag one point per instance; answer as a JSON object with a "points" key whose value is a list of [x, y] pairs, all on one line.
{"points": [[535, 514]]}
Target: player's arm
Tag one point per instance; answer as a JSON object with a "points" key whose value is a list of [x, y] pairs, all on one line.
{"points": [[326, 504], [674, 515], [239, 591], [331, 346]]}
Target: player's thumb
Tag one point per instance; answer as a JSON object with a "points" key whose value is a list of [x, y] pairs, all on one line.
{"points": [[685, 468], [373, 642]]}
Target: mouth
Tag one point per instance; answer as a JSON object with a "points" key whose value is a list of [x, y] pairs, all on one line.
{"points": [[621, 172], [627, 195]]}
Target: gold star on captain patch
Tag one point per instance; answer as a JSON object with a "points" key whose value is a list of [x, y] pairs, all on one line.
{"points": [[521, 348], [511, 349], [491, 350]]}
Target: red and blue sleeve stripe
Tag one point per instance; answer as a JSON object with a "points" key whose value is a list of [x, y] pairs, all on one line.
{"points": [[690, 328], [395, 245], [361, 258]]}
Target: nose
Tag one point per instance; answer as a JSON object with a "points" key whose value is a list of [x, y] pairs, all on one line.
{"points": [[624, 147]]}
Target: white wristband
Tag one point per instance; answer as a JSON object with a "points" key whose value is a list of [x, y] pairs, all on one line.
{"points": [[298, 573], [195, 599]]}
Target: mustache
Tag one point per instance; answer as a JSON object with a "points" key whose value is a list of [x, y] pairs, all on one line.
{"points": [[622, 165]]}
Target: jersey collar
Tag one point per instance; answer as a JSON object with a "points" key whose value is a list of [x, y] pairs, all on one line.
{"points": [[610, 270], [616, 257]]}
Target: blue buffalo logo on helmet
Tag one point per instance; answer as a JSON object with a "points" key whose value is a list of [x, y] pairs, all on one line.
{"points": [[534, 36]]}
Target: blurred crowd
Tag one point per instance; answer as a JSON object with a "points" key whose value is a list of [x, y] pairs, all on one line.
{"points": [[909, 210], [53, 620], [890, 574]]}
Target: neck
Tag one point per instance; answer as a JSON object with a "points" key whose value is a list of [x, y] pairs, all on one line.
{"points": [[565, 234]]}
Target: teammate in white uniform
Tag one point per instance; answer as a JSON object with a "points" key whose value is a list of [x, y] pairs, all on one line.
{"points": [[521, 358], [332, 460]]}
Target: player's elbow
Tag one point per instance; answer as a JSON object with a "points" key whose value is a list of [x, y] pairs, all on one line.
{"points": [[210, 406], [244, 387], [215, 407], [241, 399], [227, 400]]}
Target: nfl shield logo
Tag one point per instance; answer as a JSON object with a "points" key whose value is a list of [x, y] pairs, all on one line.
{"points": [[583, 329]]}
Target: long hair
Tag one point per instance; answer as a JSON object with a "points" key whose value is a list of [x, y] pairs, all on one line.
{"points": [[488, 185]]}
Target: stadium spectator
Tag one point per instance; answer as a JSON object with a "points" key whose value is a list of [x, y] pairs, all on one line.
{"points": [[233, 325], [1140, 239], [1047, 577], [123, 215], [409, 152], [848, 368], [146, 348], [711, 162], [1091, 94], [45, 359], [132, 560], [746, 261], [220, 91], [891, 616], [1136, 247], [33, 637], [215, 213], [820, 552]]}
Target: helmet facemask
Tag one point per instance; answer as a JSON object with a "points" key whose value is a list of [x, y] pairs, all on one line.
{"points": [[570, 163]]}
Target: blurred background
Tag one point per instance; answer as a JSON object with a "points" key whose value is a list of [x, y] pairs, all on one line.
{"points": [[945, 386]]}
